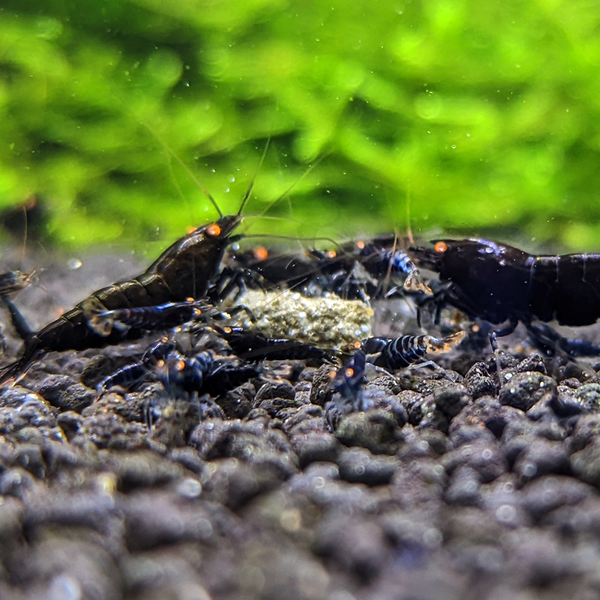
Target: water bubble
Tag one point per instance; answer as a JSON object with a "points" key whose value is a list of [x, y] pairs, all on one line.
{"points": [[74, 264]]}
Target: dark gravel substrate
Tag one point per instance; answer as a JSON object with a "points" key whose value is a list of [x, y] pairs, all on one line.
{"points": [[453, 485]]}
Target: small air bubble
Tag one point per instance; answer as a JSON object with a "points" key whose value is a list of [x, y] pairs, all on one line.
{"points": [[74, 264], [453, 146]]}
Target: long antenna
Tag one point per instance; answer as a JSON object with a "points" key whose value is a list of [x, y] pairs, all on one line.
{"points": [[411, 239], [293, 238], [282, 196], [249, 190], [183, 165], [25, 231]]}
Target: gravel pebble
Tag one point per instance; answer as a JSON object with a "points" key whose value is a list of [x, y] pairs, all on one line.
{"points": [[358, 465], [524, 389]]}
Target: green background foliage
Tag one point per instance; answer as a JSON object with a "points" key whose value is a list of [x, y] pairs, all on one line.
{"points": [[482, 116]]}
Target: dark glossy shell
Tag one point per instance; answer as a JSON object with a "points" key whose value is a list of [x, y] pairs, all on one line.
{"points": [[497, 282], [184, 270]]}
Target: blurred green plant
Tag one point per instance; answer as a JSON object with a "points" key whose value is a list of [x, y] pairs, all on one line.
{"points": [[479, 116]]}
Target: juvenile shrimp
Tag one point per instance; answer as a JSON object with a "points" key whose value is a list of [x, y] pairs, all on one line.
{"points": [[349, 379], [499, 283], [12, 282], [163, 316], [401, 352], [382, 257], [182, 372], [254, 346]]}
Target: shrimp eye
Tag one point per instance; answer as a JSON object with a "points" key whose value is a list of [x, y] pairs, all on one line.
{"points": [[349, 373], [213, 230], [440, 247], [260, 253]]}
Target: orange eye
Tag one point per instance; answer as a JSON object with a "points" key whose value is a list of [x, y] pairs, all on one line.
{"points": [[360, 245], [213, 230], [179, 365], [260, 253], [331, 254], [440, 247], [349, 373]]}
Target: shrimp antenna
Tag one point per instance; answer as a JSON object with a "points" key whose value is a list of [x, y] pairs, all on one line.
{"points": [[411, 239], [249, 190], [25, 231], [282, 196], [183, 165], [293, 238]]}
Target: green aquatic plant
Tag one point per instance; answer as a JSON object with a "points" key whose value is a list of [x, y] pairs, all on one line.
{"points": [[481, 116]]}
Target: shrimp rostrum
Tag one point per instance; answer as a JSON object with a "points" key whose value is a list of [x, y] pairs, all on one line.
{"points": [[504, 285]]}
